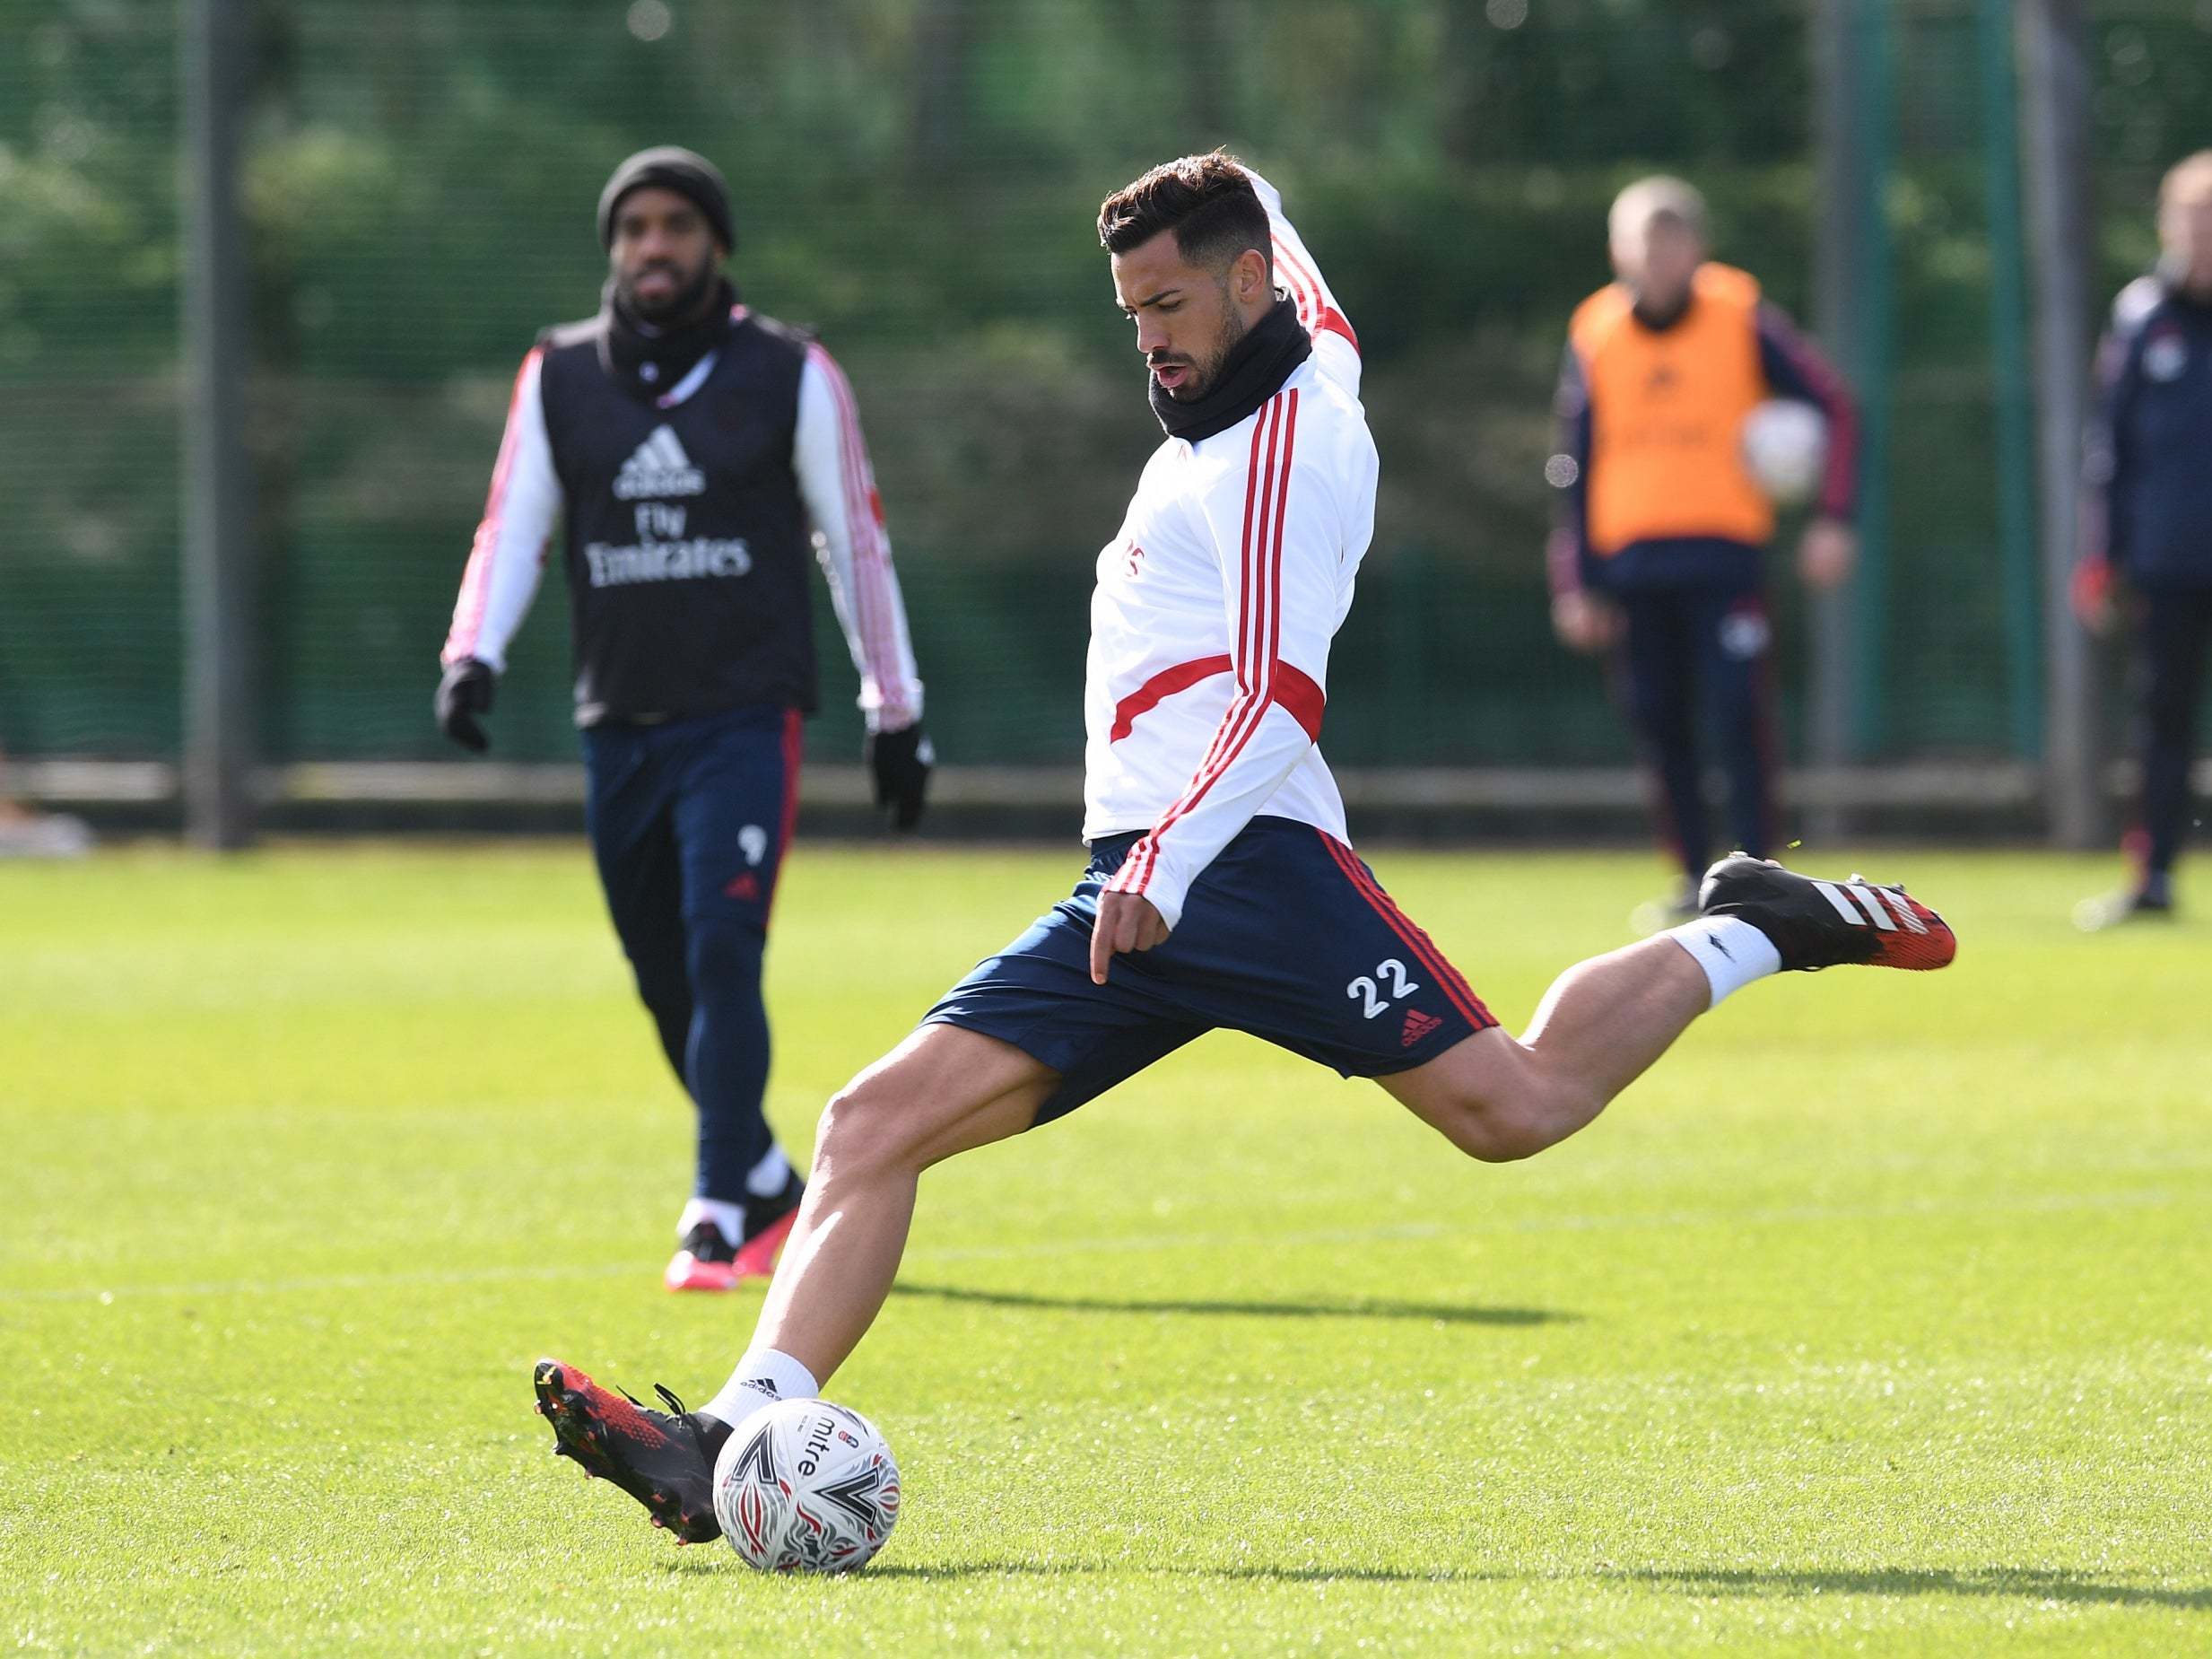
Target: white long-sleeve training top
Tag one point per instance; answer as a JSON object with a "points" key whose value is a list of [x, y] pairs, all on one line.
{"points": [[1210, 626], [836, 482]]}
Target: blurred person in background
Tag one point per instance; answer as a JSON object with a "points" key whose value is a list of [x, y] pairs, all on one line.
{"points": [[26, 832], [2148, 545], [1660, 530], [696, 457]]}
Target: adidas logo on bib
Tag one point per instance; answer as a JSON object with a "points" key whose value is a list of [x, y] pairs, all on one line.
{"points": [[657, 468]]}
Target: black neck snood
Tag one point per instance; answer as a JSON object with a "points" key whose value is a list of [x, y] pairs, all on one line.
{"points": [[648, 359], [1253, 372]]}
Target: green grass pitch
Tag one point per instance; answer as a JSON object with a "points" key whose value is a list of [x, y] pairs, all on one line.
{"points": [[1878, 1319]]}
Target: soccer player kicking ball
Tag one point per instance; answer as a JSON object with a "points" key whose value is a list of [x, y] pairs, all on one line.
{"points": [[1221, 889]]}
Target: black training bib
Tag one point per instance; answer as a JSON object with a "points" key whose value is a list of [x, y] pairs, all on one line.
{"points": [[688, 542]]}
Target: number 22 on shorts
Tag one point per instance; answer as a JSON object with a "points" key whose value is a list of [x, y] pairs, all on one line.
{"points": [[1392, 973]]}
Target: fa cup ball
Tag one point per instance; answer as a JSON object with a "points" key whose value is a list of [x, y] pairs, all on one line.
{"points": [[1786, 449], [803, 1486]]}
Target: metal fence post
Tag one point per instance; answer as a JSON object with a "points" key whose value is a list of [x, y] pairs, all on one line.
{"points": [[218, 504], [2055, 146], [1852, 46], [1827, 715], [2013, 407]]}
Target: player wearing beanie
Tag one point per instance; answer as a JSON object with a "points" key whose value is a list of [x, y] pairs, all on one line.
{"points": [[692, 455]]}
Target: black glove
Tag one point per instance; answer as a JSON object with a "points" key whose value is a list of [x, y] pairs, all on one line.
{"points": [[464, 693], [900, 761]]}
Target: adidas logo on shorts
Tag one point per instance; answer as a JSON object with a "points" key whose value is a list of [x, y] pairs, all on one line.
{"points": [[1417, 1026]]}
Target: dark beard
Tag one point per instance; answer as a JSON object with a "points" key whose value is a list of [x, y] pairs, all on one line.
{"points": [[650, 359], [1204, 376], [1251, 370], [679, 306]]}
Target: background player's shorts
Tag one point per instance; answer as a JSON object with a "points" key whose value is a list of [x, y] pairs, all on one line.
{"points": [[1287, 935]]}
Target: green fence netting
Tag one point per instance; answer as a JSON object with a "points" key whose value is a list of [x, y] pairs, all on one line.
{"points": [[918, 179]]}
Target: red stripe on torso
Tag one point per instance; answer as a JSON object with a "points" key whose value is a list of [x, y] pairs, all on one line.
{"points": [[1164, 683], [1294, 693]]}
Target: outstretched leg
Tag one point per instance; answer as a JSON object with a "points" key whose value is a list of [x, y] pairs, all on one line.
{"points": [[1605, 1021], [1497, 1097]]}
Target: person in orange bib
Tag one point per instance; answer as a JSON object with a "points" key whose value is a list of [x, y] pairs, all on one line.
{"points": [[1660, 530]]}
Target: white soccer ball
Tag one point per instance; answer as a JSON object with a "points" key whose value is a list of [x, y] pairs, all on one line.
{"points": [[1786, 449], [805, 1486]]}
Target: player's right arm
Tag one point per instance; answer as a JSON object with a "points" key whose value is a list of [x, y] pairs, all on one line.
{"points": [[1335, 347], [2106, 461], [1583, 619], [837, 482], [1794, 367], [508, 556]]}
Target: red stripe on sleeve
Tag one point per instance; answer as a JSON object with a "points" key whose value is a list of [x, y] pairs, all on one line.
{"points": [[476, 579], [864, 525], [1297, 694], [1325, 317]]}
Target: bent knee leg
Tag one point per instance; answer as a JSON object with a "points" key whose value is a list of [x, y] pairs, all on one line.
{"points": [[944, 1090], [1499, 1132], [866, 1127], [1508, 1117]]}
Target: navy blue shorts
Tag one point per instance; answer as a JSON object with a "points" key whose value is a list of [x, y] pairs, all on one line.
{"points": [[1287, 935]]}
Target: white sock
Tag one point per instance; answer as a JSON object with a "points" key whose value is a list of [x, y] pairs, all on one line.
{"points": [[1732, 952], [728, 1219], [765, 1179], [764, 1376]]}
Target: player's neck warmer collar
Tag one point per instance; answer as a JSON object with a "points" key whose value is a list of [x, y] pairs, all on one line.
{"points": [[648, 360], [1254, 371]]}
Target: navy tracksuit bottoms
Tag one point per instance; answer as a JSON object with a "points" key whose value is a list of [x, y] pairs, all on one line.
{"points": [[689, 819], [1708, 644], [2173, 644]]}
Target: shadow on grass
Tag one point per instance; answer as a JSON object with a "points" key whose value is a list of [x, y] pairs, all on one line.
{"points": [[1354, 1308], [1275, 1575], [2023, 1584], [2028, 1584]]}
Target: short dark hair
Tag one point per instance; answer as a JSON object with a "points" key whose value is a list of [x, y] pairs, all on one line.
{"points": [[1207, 200]]}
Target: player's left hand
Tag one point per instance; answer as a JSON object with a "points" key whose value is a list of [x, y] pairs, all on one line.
{"points": [[2091, 594], [900, 761], [464, 695], [1827, 554], [1126, 922]]}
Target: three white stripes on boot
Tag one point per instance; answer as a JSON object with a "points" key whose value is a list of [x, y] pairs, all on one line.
{"points": [[1877, 902]]}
